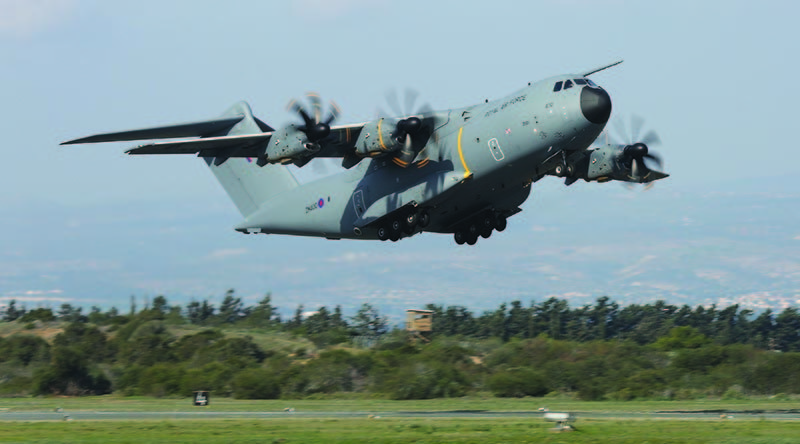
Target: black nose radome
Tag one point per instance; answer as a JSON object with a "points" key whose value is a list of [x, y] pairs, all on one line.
{"points": [[595, 104]]}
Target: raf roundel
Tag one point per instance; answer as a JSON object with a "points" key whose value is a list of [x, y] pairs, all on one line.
{"points": [[321, 203]]}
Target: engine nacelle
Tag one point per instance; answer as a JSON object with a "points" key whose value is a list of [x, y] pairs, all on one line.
{"points": [[289, 143], [376, 138], [604, 164]]}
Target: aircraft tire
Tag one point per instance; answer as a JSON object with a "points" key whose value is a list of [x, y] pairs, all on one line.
{"points": [[486, 233], [500, 223], [460, 237], [487, 222], [424, 219], [559, 170], [410, 223], [472, 239], [394, 237], [396, 226], [383, 233]]}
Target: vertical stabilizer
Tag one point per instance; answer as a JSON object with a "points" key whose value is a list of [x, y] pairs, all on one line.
{"points": [[246, 183]]}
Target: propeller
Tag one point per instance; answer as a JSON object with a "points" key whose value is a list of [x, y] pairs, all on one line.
{"points": [[636, 150], [413, 131], [313, 126]]}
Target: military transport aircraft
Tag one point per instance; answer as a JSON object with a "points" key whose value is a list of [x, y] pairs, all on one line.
{"points": [[462, 171]]}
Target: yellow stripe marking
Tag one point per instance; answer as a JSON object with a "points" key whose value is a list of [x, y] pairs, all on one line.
{"points": [[380, 135], [467, 172]]}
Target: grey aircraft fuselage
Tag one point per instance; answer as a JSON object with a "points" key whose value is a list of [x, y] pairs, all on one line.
{"points": [[488, 156], [461, 171]]}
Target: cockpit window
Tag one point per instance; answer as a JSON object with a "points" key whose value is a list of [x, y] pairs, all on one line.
{"points": [[568, 84], [557, 88], [580, 81], [589, 81]]}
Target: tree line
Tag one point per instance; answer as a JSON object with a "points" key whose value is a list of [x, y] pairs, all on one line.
{"points": [[595, 351]]}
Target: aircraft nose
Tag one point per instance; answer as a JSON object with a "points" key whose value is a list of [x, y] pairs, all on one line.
{"points": [[595, 105]]}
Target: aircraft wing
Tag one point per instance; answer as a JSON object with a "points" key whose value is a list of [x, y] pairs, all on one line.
{"points": [[340, 142], [247, 145]]}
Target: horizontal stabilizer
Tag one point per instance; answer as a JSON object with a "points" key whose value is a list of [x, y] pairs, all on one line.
{"points": [[245, 145], [193, 129]]}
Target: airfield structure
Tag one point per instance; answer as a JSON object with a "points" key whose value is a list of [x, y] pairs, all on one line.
{"points": [[419, 323]]}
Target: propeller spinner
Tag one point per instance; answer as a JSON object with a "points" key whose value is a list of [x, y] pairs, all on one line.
{"points": [[314, 127]]}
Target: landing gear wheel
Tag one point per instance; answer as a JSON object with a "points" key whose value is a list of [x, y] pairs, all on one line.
{"points": [[424, 219], [569, 170], [395, 226], [410, 223], [383, 233], [559, 170], [472, 239], [486, 233], [487, 222], [460, 237], [394, 237], [472, 230], [500, 223]]}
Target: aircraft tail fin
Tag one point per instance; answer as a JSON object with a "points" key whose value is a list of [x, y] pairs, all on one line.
{"points": [[247, 184]]}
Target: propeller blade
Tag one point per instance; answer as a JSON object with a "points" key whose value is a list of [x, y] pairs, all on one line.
{"points": [[655, 158], [334, 113], [637, 122], [622, 132], [316, 105], [411, 98], [635, 169], [394, 104], [651, 138]]}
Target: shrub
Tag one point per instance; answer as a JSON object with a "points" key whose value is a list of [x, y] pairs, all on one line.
{"points": [[256, 383]]}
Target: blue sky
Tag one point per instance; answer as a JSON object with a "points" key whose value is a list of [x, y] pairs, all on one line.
{"points": [[714, 78]]}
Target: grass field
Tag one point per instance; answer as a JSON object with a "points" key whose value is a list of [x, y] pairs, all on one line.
{"points": [[398, 431], [148, 404], [742, 429]]}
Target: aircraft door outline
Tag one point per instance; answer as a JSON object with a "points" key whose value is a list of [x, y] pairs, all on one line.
{"points": [[358, 203], [494, 148]]}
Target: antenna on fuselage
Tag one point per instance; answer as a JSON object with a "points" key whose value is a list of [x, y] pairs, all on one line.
{"points": [[602, 68]]}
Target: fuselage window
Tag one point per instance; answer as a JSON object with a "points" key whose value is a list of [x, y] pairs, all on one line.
{"points": [[589, 81], [580, 81], [557, 88], [568, 84]]}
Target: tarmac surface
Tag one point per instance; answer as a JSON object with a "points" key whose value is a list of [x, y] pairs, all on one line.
{"points": [[86, 415]]}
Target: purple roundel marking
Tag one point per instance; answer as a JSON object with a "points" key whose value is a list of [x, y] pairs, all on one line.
{"points": [[321, 203]]}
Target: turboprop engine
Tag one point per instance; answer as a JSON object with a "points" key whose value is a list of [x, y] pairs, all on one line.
{"points": [[288, 144], [297, 143], [377, 138]]}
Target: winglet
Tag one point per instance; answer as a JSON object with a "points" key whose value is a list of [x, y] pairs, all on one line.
{"points": [[602, 68]]}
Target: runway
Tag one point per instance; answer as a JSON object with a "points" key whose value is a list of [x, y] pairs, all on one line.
{"points": [[86, 415]]}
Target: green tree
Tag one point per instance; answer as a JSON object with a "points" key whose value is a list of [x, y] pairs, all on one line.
{"points": [[231, 309], [369, 322], [12, 313]]}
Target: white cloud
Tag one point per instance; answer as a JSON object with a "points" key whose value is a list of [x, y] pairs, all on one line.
{"points": [[26, 17], [796, 237], [350, 256], [226, 253]]}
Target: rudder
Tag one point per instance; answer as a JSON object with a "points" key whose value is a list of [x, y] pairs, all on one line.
{"points": [[247, 184]]}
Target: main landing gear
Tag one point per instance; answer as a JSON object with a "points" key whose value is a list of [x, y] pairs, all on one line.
{"points": [[482, 226], [403, 225]]}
